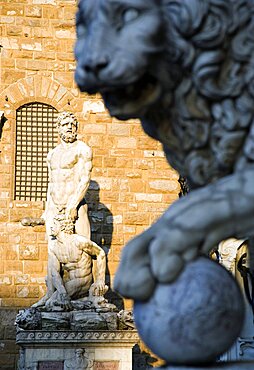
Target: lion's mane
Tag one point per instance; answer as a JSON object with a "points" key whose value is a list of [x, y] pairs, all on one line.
{"points": [[212, 110]]}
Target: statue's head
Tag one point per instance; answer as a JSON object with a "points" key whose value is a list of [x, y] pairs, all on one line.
{"points": [[67, 125], [118, 43], [80, 352]]}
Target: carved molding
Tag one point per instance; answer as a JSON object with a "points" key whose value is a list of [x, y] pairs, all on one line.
{"points": [[40, 337], [245, 345]]}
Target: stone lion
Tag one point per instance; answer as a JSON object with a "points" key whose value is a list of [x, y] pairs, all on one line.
{"points": [[28, 319], [185, 68]]}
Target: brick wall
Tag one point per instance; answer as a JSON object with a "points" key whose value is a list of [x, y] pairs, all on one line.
{"points": [[131, 181]]}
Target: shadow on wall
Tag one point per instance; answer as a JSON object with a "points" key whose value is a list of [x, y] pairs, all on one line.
{"points": [[102, 227], [2, 122], [142, 360]]}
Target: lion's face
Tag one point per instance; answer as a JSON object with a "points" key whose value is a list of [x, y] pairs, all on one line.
{"points": [[117, 53]]}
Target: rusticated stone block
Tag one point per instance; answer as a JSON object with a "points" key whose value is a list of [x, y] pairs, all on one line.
{"points": [[34, 267], [4, 237], [4, 215], [27, 291], [5, 280], [128, 143], [33, 11], [13, 266], [7, 292], [164, 185], [11, 76], [29, 237], [29, 252], [22, 279], [13, 9]]}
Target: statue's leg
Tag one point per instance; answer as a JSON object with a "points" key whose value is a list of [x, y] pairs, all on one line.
{"points": [[77, 288], [48, 294], [49, 284], [193, 224], [49, 222]]}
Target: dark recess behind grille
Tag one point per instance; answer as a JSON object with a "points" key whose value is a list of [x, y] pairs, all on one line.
{"points": [[36, 134]]}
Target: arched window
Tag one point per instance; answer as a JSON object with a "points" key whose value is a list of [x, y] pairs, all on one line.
{"points": [[36, 134]]}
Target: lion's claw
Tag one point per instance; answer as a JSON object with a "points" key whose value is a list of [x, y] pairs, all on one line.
{"points": [[157, 255], [134, 278]]}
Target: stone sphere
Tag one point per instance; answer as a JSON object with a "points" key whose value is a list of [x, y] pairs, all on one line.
{"points": [[194, 319]]}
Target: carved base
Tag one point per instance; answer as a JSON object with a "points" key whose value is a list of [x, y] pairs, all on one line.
{"points": [[79, 350], [219, 366]]}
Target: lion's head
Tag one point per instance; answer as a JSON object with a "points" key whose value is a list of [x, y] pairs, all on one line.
{"points": [[137, 52], [28, 319], [118, 48]]}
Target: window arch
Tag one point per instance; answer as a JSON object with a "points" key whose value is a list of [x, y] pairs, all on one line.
{"points": [[36, 134]]}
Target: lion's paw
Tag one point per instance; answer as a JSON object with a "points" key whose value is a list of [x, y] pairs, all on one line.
{"points": [[134, 278], [169, 250], [157, 255]]}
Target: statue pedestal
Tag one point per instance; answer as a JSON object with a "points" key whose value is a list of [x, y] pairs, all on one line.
{"points": [[79, 350], [218, 366]]}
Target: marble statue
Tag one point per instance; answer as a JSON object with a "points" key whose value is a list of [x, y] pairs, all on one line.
{"points": [[70, 250], [72, 254], [74, 314], [185, 69], [69, 165]]}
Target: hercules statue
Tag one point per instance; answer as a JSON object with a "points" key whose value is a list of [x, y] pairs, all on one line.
{"points": [[70, 250], [185, 68]]}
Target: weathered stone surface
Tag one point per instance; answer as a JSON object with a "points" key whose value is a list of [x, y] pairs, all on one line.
{"points": [[51, 365], [55, 321], [85, 319], [88, 321], [111, 320], [79, 350], [106, 365], [194, 319]]}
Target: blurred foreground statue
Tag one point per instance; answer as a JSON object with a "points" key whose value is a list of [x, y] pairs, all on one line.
{"points": [[185, 68]]}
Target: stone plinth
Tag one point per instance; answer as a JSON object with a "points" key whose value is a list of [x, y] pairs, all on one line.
{"points": [[79, 350], [219, 366]]}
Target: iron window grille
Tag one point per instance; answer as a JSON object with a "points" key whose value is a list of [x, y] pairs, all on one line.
{"points": [[36, 134]]}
